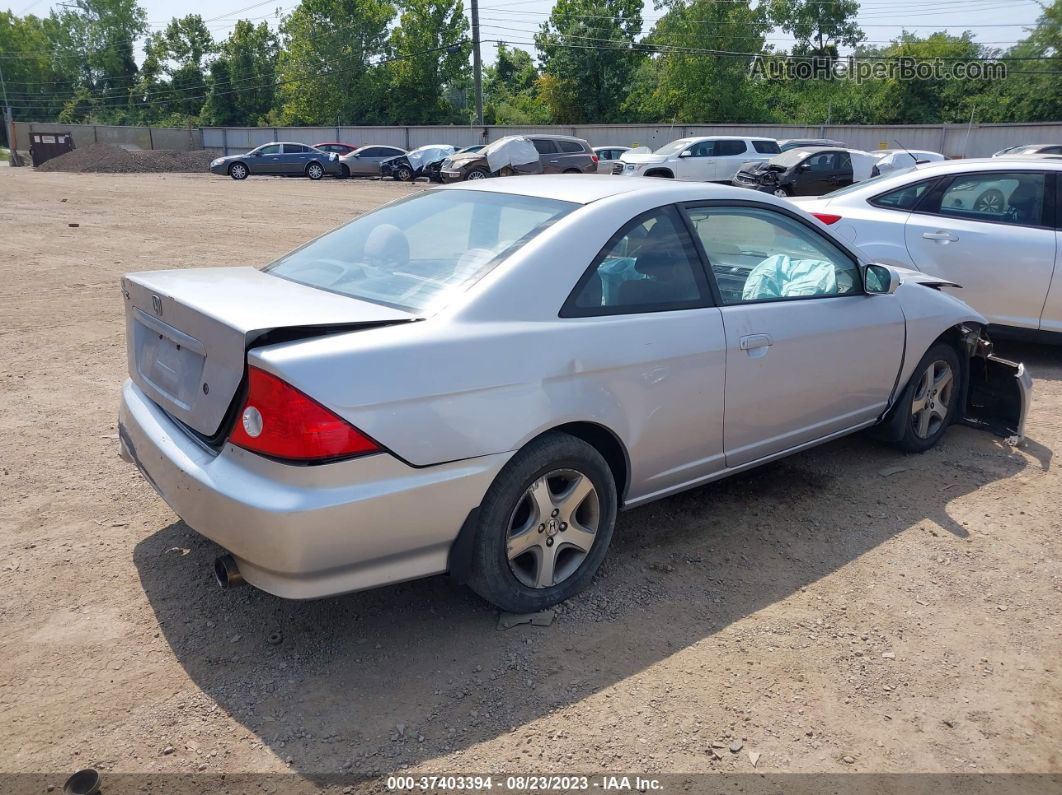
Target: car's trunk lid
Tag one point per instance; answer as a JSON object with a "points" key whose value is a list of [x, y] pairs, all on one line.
{"points": [[187, 331]]}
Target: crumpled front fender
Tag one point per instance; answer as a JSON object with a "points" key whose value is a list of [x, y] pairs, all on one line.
{"points": [[997, 394]]}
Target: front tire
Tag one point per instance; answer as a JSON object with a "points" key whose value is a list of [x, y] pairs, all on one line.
{"points": [[477, 173], [404, 174], [238, 171], [930, 402], [314, 171], [544, 525]]}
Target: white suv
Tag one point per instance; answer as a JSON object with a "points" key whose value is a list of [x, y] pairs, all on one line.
{"points": [[713, 159]]}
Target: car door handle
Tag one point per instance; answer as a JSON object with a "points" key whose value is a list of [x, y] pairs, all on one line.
{"points": [[752, 342], [944, 236]]}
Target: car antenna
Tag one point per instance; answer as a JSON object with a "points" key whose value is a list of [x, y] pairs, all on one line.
{"points": [[908, 151]]}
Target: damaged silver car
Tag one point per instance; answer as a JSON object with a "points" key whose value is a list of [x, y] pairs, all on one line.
{"points": [[478, 378]]}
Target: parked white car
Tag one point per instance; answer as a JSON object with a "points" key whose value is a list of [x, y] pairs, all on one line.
{"points": [[607, 156], [992, 225], [713, 159], [892, 160]]}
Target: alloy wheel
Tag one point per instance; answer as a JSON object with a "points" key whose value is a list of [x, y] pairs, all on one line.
{"points": [[315, 171], [932, 397], [477, 174], [238, 171], [553, 528]]}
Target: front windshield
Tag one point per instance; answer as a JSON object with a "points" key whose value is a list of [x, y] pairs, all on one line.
{"points": [[862, 184], [673, 147], [418, 253]]}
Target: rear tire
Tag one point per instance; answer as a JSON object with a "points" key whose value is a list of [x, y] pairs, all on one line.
{"points": [[544, 526], [314, 171], [238, 171], [929, 404]]}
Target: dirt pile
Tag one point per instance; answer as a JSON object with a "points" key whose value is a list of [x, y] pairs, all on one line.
{"points": [[108, 159]]}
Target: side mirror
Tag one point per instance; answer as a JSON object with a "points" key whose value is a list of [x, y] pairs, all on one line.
{"points": [[880, 280], [687, 153], [804, 166]]}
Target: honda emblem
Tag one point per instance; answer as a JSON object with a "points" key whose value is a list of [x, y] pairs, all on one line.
{"points": [[156, 304]]}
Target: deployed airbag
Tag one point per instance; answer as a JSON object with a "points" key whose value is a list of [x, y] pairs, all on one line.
{"points": [[784, 277], [512, 150], [426, 155]]}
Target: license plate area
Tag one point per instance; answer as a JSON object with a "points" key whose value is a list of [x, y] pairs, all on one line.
{"points": [[168, 360]]}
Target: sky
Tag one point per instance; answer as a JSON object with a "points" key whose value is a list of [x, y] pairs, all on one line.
{"points": [[997, 23]]}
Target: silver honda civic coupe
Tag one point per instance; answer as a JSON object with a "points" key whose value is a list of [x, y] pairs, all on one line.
{"points": [[477, 378]]}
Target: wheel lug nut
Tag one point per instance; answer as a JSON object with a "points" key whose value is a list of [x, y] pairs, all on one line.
{"points": [[549, 542], [555, 511], [563, 526], [541, 528]]}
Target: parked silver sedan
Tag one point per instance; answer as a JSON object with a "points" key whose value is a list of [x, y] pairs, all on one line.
{"points": [[477, 378]]}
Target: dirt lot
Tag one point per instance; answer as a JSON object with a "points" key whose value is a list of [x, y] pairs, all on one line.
{"points": [[820, 614]]}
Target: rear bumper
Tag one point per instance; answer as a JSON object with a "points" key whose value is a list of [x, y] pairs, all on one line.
{"points": [[303, 532]]}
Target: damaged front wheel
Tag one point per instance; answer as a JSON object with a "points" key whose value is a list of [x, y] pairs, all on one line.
{"points": [[929, 401]]}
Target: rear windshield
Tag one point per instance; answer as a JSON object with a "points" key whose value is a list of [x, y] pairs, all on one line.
{"points": [[418, 253]]}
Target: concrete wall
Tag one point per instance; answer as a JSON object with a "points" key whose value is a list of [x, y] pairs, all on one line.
{"points": [[182, 139], [958, 140]]}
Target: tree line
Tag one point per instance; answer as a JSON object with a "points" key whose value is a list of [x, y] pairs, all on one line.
{"points": [[367, 62]]}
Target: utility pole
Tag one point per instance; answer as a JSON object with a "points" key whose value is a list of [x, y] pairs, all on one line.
{"points": [[477, 63], [9, 124]]}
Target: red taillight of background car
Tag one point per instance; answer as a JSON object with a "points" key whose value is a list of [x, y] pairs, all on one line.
{"points": [[594, 158], [280, 421], [826, 218]]}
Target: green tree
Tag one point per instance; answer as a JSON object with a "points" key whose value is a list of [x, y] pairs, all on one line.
{"points": [[99, 36], [819, 26], [172, 77], [326, 69], [696, 77], [1033, 88], [510, 90], [37, 84], [587, 56], [430, 52], [243, 78]]}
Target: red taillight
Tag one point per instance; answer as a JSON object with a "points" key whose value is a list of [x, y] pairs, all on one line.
{"points": [[280, 421], [594, 158], [826, 218]]}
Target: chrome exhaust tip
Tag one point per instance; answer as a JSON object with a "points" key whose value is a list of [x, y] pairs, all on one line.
{"points": [[226, 572]]}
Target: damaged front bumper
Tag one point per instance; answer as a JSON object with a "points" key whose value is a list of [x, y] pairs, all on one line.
{"points": [[997, 393]]}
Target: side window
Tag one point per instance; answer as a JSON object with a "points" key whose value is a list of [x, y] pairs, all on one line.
{"points": [[730, 148], [766, 147], [703, 149], [570, 146], [376, 151], [1051, 150], [650, 265], [295, 149], [544, 146], [605, 154], [763, 255], [844, 161], [904, 198], [272, 149], [821, 162], [1010, 198]]}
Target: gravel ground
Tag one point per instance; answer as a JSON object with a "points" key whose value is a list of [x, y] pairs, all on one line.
{"points": [[847, 609], [108, 159]]}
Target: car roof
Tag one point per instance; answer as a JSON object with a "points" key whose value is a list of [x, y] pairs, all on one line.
{"points": [[611, 146], [551, 135], [724, 138], [587, 188], [334, 143], [1003, 163]]}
